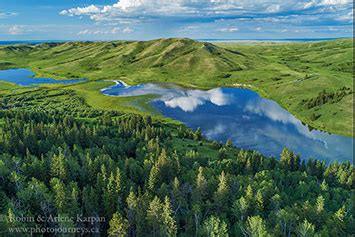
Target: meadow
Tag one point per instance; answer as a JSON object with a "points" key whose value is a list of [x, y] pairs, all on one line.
{"points": [[292, 74]]}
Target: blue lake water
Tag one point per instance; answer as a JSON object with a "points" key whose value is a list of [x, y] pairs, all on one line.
{"points": [[252, 122], [25, 77]]}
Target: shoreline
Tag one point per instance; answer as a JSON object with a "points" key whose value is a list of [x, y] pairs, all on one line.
{"points": [[261, 92]]}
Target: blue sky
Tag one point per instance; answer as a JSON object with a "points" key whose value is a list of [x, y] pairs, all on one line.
{"points": [[198, 19]]}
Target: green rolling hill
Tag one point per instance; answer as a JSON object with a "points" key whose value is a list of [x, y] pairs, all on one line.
{"points": [[312, 80], [163, 58]]}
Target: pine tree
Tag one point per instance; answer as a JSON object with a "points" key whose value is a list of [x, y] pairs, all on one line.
{"points": [[110, 196], [229, 143], [222, 153], [324, 186], [320, 204], [90, 201], [338, 223], [221, 196], [11, 218], [118, 226], [154, 215], [153, 178], [196, 209], [286, 159], [197, 135], [214, 227], [249, 194], [169, 223], [241, 208], [259, 201], [305, 229], [132, 204], [118, 182], [256, 227], [59, 195], [201, 184], [58, 169], [286, 219], [73, 201]]}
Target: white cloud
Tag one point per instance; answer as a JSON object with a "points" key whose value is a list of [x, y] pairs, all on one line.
{"points": [[229, 29], [273, 8], [127, 30], [347, 17], [320, 3], [336, 2], [17, 30], [194, 8], [191, 99], [218, 130], [190, 28], [26, 29], [243, 15], [332, 29], [272, 110], [186, 100], [187, 104], [7, 14], [114, 30], [92, 9], [89, 32]]}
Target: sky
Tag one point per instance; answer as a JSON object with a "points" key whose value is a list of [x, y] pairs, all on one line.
{"points": [[197, 19]]}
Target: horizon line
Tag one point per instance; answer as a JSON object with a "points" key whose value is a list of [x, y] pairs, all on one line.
{"points": [[197, 39]]}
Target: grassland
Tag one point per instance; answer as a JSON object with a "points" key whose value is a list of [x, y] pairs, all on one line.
{"points": [[91, 92], [7, 86], [10, 88], [287, 73], [300, 71]]}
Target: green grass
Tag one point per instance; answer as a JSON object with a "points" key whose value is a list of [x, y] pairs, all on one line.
{"points": [[90, 91], [286, 73], [10, 88], [4, 86], [300, 71], [185, 145]]}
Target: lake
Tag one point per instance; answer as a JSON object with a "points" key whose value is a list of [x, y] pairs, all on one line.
{"points": [[25, 77], [252, 122]]}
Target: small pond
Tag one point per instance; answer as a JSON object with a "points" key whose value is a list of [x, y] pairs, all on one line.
{"points": [[25, 77], [252, 122]]}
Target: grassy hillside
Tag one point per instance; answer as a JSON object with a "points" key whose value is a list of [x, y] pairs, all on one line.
{"points": [[10, 88], [297, 73], [4, 86], [294, 75], [165, 60]]}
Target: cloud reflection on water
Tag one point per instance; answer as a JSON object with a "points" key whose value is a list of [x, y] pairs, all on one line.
{"points": [[189, 100], [274, 112], [172, 95], [250, 121]]}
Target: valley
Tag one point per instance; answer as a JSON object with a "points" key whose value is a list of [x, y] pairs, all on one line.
{"points": [[289, 73]]}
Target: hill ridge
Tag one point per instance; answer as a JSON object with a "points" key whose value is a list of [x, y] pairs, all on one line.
{"points": [[166, 54]]}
